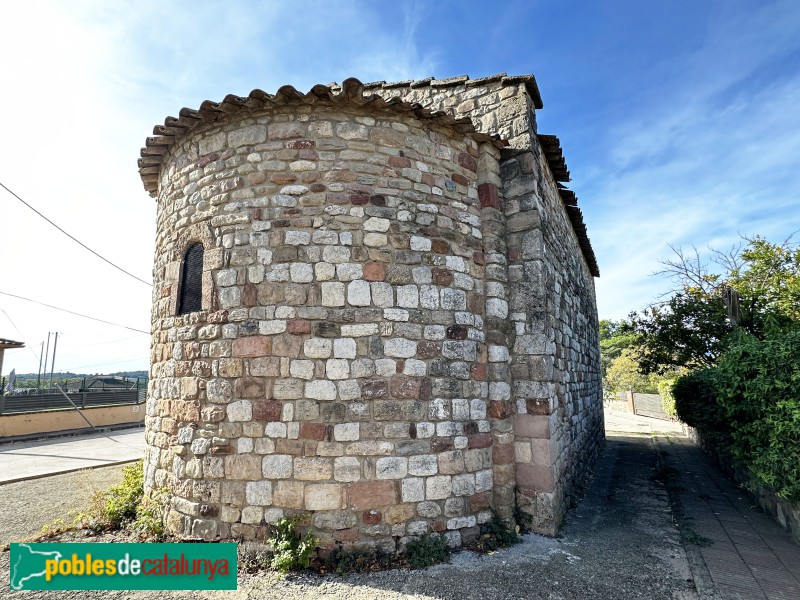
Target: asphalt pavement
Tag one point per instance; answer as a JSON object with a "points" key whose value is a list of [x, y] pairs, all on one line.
{"points": [[40, 458]]}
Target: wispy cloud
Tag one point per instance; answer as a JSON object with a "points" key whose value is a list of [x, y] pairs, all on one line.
{"points": [[715, 158]]}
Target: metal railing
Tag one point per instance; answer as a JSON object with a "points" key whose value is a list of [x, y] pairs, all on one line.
{"points": [[53, 400]]}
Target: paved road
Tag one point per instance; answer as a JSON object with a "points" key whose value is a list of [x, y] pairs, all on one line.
{"points": [[27, 460]]}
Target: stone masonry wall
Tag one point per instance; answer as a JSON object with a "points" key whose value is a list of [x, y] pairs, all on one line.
{"points": [[558, 424], [399, 330], [339, 364], [556, 400]]}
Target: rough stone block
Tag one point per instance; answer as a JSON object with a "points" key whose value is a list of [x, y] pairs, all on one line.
{"points": [[370, 495], [324, 497]]}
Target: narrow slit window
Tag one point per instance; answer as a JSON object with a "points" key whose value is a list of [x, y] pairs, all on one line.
{"points": [[191, 299]]}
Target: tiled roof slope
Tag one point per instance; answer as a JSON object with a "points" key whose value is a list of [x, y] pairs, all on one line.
{"points": [[351, 91]]}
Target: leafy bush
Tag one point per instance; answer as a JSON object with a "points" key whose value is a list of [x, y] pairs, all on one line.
{"points": [[292, 550], [121, 506], [758, 388], [427, 550], [119, 503], [696, 404], [667, 398]]}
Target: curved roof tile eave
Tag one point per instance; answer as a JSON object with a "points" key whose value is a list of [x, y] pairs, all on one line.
{"points": [[351, 91]]}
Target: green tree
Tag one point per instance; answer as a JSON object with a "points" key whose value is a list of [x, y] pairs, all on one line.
{"points": [[691, 328], [615, 337]]}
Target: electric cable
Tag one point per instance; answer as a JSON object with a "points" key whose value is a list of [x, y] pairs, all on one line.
{"points": [[73, 238], [72, 312]]}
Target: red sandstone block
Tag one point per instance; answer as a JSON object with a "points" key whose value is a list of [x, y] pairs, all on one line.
{"points": [[535, 426], [500, 409], [460, 179], [371, 517], [428, 179], [440, 247], [378, 199], [253, 346], [376, 388], [503, 454], [442, 277], [267, 410], [399, 162], [478, 371], [372, 494], [312, 431], [374, 271], [479, 258], [481, 440], [307, 154], [428, 349], [535, 476], [298, 326], [405, 387], [249, 295], [317, 188], [468, 162], [481, 501], [513, 254], [359, 199], [293, 447], [487, 194]]}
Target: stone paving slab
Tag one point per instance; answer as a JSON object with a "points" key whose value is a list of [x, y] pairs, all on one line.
{"points": [[749, 555], [27, 460]]}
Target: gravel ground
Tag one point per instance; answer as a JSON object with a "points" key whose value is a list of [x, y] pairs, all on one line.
{"points": [[620, 542], [27, 505]]}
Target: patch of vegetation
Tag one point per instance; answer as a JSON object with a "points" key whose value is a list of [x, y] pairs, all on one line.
{"points": [[426, 551], [291, 549], [495, 534], [342, 561], [123, 506]]}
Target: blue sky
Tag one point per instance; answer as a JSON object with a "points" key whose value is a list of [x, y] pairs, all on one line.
{"points": [[679, 122]]}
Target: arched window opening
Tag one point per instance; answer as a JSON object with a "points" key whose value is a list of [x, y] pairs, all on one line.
{"points": [[191, 299]]}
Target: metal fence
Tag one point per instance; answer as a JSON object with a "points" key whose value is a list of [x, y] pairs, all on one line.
{"points": [[649, 405], [15, 404]]}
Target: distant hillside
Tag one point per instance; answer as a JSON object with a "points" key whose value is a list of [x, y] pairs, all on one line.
{"points": [[28, 380]]}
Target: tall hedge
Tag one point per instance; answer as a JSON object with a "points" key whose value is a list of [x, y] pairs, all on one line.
{"points": [[758, 387], [749, 405]]}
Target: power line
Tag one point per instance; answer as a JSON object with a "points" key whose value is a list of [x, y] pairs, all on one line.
{"points": [[27, 345], [72, 312], [73, 238]]}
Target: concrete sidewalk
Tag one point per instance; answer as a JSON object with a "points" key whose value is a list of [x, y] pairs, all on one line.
{"points": [[735, 550], [28, 460], [746, 553]]}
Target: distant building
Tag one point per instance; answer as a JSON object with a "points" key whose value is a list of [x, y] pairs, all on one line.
{"points": [[4, 345]]}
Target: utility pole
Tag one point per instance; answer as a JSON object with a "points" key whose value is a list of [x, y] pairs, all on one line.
{"points": [[46, 356], [53, 364]]}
